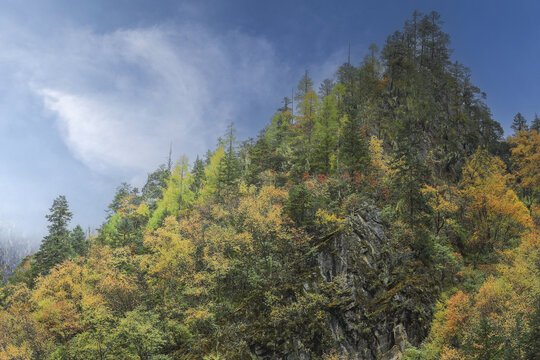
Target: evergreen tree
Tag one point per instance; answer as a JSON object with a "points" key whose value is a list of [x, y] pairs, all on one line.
{"points": [[122, 191], [78, 241], [229, 167], [486, 342], [305, 85], [354, 155], [286, 102], [55, 246], [326, 88], [198, 175], [305, 122], [153, 189], [519, 123], [325, 137], [536, 123]]}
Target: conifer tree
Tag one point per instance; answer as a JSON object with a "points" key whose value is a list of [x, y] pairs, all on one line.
{"points": [[153, 189], [535, 125], [325, 136], [229, 167], [326, 88], [122, 191], [55, 246], [198, 175], [519, 123], [305, 122], [78, 241], [286, 102]]}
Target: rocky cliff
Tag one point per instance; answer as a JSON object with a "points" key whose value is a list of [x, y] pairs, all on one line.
{"points": [[380, 301]]}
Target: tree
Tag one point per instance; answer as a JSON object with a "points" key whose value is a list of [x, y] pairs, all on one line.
{"points": [[354, 154], [122, 192], [139, 333], [285, 108], [494, 214], [198, 175], [305, 85], [177, 195], [325, 136], [325, 88], [486, 342], [153, 189], [229, 166], [78, 241], [531, 343], [525, 160], [536, 123], [307, 104], [55, 246], [519, 123]]}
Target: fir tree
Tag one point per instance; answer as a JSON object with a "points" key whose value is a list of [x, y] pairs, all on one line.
{"points": [[153, 189], [55, 246], [198, 175], [78, 241], [229, 167], [535, 125], [519, 123]]}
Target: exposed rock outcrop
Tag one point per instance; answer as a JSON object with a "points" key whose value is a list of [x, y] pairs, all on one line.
{"points": [[380, 304]]}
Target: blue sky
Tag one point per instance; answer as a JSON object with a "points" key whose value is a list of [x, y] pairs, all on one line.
{"points": [[93, 92]]}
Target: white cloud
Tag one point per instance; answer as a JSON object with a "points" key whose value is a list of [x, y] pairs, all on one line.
{"points": [[120, 98]]}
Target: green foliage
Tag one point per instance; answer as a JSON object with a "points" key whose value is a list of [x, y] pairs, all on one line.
{"points": [[78, 241], [56, 246], [177, 195], [223, 261], [519, 124], [152, 191], [139, 334], [229, 170]]}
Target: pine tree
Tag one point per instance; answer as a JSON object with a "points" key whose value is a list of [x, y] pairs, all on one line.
{"points": [[326, 88], [305, 85], [325, 136], [153, 189], [198, 175], [354, 155], [486, 342], [122, 191], [55, 246], [519, 123], [536, 123], [229, 167], [286, 102], [78, 241]]}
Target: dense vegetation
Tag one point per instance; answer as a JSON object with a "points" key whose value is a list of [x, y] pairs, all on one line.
{"points": [[218, 259]]}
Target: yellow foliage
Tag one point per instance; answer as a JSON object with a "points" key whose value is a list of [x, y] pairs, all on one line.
{"points": [[526, 159], [143, 210], [330, 220], [492, 208], [503, 299], [376, 152], [443, 200]]}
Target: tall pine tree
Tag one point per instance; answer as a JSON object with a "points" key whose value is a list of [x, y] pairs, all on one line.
{"points": [[55, 246]]}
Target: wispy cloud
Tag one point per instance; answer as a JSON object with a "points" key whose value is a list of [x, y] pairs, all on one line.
{"points": [[118, 99], [82, 110]]}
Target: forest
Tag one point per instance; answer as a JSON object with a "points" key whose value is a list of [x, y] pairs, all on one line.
{"points": [[380, 214]]}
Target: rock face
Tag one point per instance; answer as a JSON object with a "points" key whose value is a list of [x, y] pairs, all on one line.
{"points": [[380, 303]]}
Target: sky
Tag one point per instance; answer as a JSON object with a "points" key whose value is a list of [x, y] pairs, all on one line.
{"points": [[93, 93]]}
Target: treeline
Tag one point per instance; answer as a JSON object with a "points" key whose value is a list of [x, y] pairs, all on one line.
{"points": [[217, 259]]}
